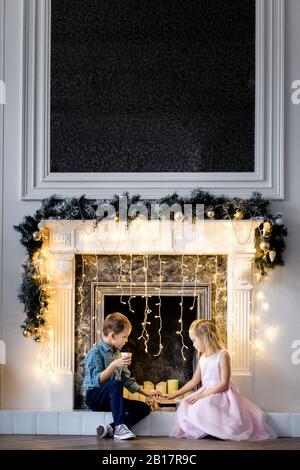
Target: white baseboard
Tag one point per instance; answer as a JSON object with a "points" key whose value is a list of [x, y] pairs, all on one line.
{"points": [[85, 423]]}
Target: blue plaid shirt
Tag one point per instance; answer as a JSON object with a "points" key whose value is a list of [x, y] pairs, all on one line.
{"points": [[97, 360]]}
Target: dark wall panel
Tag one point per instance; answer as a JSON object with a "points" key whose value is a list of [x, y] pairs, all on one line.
{"points": [[161, 85]]}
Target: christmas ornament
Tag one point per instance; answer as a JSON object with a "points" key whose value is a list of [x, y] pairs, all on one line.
{"points": [[178, 216], [210, 213], [27, 332], [37, 236], [272, 255], [267, 227], [264, 245], [239, 215], [279, 219]]}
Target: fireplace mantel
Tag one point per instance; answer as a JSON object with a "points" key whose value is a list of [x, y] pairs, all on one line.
{"points": [[236, 239]]}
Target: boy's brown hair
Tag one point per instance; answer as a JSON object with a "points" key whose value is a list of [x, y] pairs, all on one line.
{"points": [[115, 322]]}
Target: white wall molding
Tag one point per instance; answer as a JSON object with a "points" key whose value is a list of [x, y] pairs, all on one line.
{"points": [[37, 180]]}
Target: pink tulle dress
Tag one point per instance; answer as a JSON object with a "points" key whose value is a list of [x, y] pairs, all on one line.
{"points": [[226, 415]]}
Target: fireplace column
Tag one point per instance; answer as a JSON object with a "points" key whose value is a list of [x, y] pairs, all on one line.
{"points": [[63, 264], [240, 291]]}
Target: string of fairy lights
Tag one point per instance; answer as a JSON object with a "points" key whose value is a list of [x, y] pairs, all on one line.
{"points": [[158, 304], [44, 329], [128, 278]]}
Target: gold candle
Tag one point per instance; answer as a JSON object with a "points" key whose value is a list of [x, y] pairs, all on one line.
{"points": [[172, 385], [135, 396], [148, 385], [161, 387]]}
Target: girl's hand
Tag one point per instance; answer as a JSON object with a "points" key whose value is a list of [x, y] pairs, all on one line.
{"points": [[169, 396], [195, 398]]}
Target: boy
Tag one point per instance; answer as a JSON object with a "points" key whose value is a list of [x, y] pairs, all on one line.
{"points": [[105, 375]]}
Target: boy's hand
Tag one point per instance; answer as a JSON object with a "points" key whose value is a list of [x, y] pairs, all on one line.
{"points": [[150, 393], [122, 362]]}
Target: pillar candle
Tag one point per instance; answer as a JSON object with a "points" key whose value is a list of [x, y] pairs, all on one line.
{"points": [[161, 387], [172, 385], [135, 396], [148, 385]]}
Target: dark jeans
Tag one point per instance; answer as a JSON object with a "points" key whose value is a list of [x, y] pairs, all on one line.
{"points": [[109, 397]]}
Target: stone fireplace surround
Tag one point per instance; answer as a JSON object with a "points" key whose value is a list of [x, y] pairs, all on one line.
{"points": [[68, 238]]}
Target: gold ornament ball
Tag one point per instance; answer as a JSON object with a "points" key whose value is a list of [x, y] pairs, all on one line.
{"points": [[264, 245], [267, 228], [27, 332], [37, 236], [210, 213], [239, 215]]}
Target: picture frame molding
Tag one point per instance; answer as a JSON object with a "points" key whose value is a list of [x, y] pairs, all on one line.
{"points": [[39, 182]]}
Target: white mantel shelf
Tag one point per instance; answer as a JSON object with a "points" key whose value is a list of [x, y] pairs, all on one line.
{"points": [[236, 239], [152, 237]]}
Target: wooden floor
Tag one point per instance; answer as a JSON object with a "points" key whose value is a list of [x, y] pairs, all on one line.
{"points": [[28, 442]]}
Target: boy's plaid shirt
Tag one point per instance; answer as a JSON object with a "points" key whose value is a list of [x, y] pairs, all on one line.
{"points": [[97, 360]]}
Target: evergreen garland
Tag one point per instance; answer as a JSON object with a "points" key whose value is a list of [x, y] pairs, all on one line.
{"points": [[32, 290]]}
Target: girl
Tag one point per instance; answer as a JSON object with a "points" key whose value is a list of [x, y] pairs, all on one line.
{"points": [[217, 408]]}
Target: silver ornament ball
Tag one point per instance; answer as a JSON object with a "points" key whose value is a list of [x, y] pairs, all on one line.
{"points": [[264, 245], [178, 216], [279, 220]]}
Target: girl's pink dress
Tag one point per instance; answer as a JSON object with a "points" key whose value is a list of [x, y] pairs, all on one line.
{"points": [[226, 415]]}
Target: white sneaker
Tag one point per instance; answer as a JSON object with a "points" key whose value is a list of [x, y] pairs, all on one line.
{"points": [[122, 432], [102, 431], [105, 431]]}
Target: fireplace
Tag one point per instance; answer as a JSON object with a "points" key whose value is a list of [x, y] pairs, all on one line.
{"points": [[227, 247], [175, 289]]}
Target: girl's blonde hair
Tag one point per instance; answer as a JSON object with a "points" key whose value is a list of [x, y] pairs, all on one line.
{"points": [[207, 331]]}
